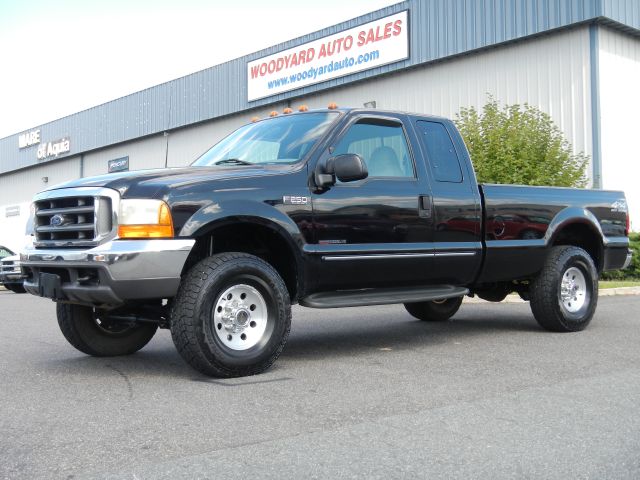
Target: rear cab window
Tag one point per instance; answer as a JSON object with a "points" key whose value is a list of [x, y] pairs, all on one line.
{"points": [[441, 153]]}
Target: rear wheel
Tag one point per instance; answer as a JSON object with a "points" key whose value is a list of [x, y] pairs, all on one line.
{"points": [[564, 296], [435, 310], [232, 315], [97, 335]]}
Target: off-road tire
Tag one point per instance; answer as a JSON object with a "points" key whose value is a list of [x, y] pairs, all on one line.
{"points": [[546, 295], [78, 325], [434, 311], [192, 315]]}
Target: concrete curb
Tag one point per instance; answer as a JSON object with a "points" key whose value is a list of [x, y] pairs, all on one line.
{"points": [[604, 292], [608, 292]]}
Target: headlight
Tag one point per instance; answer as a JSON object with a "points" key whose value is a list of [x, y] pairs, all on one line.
{"points": [[144, 219]]}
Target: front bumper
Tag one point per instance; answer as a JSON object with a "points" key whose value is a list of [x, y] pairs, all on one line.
{"points": [[109, 274]]}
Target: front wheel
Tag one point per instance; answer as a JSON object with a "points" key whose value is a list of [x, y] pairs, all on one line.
{"points": [[565, 294], [232, 315], [435, 310], [91, 333]]}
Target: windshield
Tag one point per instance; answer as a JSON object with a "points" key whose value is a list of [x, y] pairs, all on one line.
{"points": [[279, 140]]}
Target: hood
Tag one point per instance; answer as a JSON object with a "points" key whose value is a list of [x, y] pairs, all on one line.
{"points": [[153, 183]]}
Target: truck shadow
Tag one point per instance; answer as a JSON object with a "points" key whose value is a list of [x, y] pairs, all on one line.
{"points": [[159, 358], [343, 335]]}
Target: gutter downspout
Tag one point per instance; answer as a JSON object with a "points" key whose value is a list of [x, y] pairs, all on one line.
{"points": [[594, 64]]}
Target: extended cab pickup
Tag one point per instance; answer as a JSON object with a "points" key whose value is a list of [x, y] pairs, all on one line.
{"points": [[326, 208]]}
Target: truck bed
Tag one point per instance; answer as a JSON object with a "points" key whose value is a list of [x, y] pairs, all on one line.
{"points": [[520, 222]]}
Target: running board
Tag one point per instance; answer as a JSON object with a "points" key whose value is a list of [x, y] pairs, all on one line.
{"points": [[380, 296]]}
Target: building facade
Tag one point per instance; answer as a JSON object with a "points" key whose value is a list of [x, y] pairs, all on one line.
{"points": [[577, 60]]}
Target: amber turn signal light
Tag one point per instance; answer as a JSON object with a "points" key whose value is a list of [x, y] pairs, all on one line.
{"points": [[162, 229]]}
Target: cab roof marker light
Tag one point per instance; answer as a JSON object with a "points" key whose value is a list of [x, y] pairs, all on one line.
{"points": [[303, 108], [332, 106], [287, 111], [273, 114], [255, 119]]}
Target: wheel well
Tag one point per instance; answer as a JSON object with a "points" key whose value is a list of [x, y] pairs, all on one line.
{"points": [[259, 240], [583, 236]]}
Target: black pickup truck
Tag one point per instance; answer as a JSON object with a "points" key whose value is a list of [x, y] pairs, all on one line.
{"points": [[326, 208]]}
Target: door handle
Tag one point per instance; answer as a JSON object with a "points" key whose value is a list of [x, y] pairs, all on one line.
{"points": [[425, 206]]}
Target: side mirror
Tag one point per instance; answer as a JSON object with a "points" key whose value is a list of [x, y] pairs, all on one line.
{"points": [[348, 167]]}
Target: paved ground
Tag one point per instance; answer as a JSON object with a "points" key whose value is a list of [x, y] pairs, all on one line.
{"points": [[358, 393]]}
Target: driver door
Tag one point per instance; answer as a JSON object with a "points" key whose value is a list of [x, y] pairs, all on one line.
{"points": [[374, 232]]}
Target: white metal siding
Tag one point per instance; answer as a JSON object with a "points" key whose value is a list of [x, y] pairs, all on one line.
{"points": [[620, 106], [18, 188], [145, 153], [550, 72]]}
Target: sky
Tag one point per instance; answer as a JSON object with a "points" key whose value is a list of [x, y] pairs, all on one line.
{"points": [[61, 57]]}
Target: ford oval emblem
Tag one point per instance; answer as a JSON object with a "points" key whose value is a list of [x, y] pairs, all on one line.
{"points": [[56, 220]]}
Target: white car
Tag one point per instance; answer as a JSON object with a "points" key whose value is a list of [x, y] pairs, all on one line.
{"points": [[10, 273]]}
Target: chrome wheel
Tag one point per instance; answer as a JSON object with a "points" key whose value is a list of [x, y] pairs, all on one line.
{"points": [[240, 317], [573, 290]]}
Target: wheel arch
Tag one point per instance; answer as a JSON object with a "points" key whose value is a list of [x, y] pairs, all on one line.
{"points": [[261, 231], [578, 227]]}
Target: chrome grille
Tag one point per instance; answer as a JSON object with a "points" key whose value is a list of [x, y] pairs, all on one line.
{"points": [[72, 221], [9, 266]]}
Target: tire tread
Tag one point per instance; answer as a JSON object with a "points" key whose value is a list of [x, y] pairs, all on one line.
{"points": [[70, 318], [185, 321], [543, 291]]}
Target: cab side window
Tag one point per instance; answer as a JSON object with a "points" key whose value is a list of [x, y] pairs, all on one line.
{"points": [[441, 154], [382, 146]]}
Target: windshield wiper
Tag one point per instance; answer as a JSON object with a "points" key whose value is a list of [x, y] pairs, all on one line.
{"points": [[232, 161]]}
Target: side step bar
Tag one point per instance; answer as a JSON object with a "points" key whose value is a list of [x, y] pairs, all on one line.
{"points": [[381, 296]]}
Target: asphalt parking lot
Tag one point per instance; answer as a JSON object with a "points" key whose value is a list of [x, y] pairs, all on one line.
{"points": [[357, 393]]}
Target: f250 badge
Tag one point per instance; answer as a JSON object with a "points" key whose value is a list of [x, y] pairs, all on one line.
{"points": [[294, 200], [619, 206]]}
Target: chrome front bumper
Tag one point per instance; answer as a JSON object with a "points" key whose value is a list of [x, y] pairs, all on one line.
{"points": [[109, 274]]}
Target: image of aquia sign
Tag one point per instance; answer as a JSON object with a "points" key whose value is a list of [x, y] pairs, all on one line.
{"points": [[53, 149]]}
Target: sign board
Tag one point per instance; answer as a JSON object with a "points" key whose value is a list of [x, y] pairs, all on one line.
{"points": [[371, 45], [118, 165], [28, 139], [13, 211]]}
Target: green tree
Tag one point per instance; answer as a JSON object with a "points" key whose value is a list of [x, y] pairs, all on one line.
{"points": [[519, 144]]}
